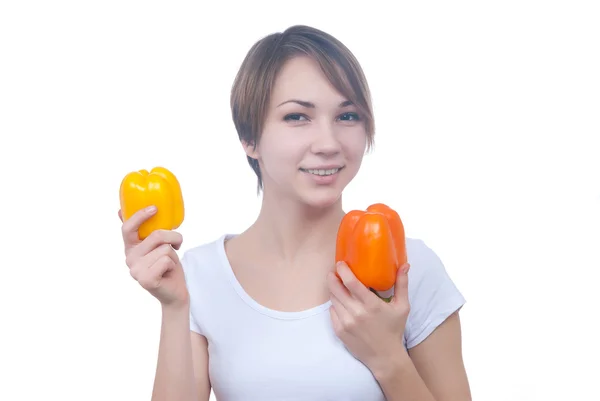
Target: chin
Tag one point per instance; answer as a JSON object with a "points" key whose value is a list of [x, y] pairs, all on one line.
{"points": [[321, 203], [320, 198]]}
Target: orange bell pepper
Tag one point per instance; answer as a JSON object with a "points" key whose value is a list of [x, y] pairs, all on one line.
{"points": [[372, 243], [160, 188]]}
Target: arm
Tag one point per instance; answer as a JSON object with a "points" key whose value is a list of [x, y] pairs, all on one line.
{"points": [[431, 371], [182, 369]]}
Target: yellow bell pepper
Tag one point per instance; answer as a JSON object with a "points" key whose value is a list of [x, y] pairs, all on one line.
{"points": [[160, 188]]}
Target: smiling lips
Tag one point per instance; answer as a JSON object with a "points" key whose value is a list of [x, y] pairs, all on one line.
{"points": [[322, 171]]}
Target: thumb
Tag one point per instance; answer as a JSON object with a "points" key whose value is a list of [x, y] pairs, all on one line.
{"points": [[131, 226], [401, 286]]}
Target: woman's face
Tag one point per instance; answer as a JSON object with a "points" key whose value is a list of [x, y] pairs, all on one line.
{"points": [[313, 140]]}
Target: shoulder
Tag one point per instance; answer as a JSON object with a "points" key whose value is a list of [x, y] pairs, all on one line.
{"points": [[202, 261], [424, 261], [433, 295], [198, 255]]}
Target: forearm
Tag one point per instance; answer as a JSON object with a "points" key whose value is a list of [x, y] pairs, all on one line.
{"points": [[400, 380], [174, 378]]}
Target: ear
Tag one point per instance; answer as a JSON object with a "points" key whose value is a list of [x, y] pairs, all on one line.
{"points": [[250, 150]]}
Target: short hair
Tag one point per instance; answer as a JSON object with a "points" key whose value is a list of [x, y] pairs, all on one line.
{"points": [[254, 82]]}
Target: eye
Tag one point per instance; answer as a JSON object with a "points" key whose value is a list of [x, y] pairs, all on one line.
{"points": [[349, 117], [295, 117]]}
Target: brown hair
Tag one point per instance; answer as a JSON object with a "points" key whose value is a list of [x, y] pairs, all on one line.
{"points": [[255, 79]]}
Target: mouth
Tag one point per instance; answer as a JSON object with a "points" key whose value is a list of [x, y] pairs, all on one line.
{"points": [[322, 172]]}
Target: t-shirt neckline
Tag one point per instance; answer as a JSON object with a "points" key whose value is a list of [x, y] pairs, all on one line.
{"points": [[277, 314]]}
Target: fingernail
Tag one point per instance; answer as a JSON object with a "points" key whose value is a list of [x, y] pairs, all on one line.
{"points": [[405, 268], [151, 209]]}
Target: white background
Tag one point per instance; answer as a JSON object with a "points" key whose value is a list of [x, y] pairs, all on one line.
{"points": [[488, 122]]}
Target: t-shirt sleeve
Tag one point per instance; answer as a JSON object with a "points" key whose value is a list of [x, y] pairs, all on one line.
{"points": [[190, 273], [432, 294]]}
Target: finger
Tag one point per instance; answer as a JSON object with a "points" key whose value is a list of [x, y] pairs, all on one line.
{"points": [[344, 318], [164, 250], [156, 239], [357, 289], [120, 213], [151, 278], [132, 225], [336, 287], [162, 266], [139, 266], [335, 320], [342, 296], [401, 286], [158, 252]]}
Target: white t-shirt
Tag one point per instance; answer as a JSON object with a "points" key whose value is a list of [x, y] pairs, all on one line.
{"points": [[260, 354]]}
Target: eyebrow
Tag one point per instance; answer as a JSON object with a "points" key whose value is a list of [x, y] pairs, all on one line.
{"points": [[310, 105]]}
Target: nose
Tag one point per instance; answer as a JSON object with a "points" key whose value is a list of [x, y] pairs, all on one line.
{"points": [[325, 141]]}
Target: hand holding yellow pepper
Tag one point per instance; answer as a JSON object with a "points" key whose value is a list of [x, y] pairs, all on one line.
{"points": [[160, 188]]}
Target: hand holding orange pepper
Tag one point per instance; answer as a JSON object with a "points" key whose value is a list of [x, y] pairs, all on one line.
{"points": [[159, 188], [372, 244]]}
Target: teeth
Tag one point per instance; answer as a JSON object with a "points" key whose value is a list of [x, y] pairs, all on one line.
{"points": [[324, 172]]}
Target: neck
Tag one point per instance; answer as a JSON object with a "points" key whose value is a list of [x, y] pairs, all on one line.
{"points": [[292, 231]]}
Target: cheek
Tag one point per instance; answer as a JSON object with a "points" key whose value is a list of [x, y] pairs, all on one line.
{"points": [[281, 155], [355, 144]]}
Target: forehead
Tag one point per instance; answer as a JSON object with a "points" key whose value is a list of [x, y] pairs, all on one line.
{"points": [[302, 78]]}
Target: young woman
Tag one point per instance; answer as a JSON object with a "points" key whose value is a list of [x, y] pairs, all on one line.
{"points": [[261, 315]]}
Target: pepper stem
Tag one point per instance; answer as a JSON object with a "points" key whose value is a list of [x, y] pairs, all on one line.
{"points": [[384, 299]]}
